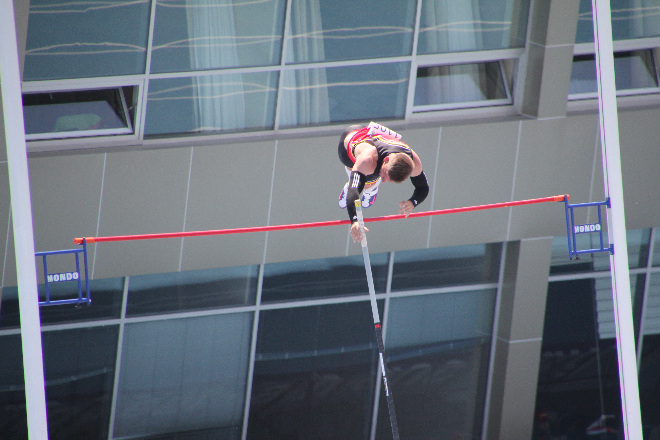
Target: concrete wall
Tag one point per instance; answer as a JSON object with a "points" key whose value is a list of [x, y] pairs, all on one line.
{"points": [[298, 180]]}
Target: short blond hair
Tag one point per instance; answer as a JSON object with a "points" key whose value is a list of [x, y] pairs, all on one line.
{"points": [[401, 167]]}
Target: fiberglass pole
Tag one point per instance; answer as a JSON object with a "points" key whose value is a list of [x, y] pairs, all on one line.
{"points": [[616, 231], [377, 326]]}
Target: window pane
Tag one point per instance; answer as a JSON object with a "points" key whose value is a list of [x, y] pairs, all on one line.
{"points": [[429, 268], [198, 35], [79, 367], [85, 39], [656, 248], [106, 297], [337, 94], [630, 19], [76, 113], [193, 290], [329, 30], [450, 26], [652, 307], [634, 70], [459, 84], [438, 351], [208, 104], [184, 375], [328, 277], [314, 374], [638, 249]]}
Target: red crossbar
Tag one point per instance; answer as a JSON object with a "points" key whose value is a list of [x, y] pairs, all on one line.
{"points": [[316, 224]]}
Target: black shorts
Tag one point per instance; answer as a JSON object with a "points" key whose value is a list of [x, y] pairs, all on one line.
{"points": [[343, 155]]}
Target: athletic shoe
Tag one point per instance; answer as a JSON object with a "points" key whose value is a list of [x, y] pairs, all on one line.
{"points": [[369, 198], [342, 197]]}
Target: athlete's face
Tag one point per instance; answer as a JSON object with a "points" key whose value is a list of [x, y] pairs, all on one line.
{"points": [[384, 169]]}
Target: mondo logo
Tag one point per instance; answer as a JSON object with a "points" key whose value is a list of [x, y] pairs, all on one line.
{"points": [[66, 276], [581, 229]]}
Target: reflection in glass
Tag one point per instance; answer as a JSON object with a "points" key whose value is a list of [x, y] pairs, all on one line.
{"points": [[77, 113], [656, 248], [323, 278], [651, 324], [638, 249], [106, 297], [605, 304], [458, 265], [630, 19], [438, 353], [634, 70], [200, 34], [337, 94], [193, 290], [450, 26], [184, 375], [86, 39], [462, 83], [578, 374], [207, 104], [331, 30], [79, 369], [315, 373]]}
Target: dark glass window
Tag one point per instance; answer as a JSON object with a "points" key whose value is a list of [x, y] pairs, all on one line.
{"points": [[327, 277], [78, 113], [106, 295], [193, 290], [315, 373], [79, 369], [578, 374], [630, 19], [184, 376], [438, 353], [430, 268]]}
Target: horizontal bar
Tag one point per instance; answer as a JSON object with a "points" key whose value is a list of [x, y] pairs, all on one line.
{"points": [[317, 224], [64, 301], [66, 251], [582, 205], [592, 251]]}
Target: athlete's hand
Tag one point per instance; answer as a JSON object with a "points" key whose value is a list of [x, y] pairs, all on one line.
{"points": [[356, 234], [406, 207]]}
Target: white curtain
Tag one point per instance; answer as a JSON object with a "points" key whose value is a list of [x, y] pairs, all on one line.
{"points": [[305, 94], [219, 100], [457, 28]]}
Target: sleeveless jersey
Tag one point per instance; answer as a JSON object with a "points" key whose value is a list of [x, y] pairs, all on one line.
{"points": [[385, 145]]}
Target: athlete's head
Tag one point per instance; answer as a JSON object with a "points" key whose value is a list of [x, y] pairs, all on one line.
{"points": [[398, 166]]}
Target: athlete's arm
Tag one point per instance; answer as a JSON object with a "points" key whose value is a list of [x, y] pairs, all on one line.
{"points": [[421, 191]]}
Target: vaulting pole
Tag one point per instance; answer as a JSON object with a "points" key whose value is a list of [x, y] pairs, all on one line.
{"points": [[616, 231], [377, 326], [21, 208]]}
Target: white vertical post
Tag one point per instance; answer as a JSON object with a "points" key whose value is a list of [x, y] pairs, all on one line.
{"points": [[609, 129], [10, 81]]}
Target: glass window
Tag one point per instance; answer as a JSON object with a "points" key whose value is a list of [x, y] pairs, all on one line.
{"points": [[198, 35], [79, 369], [314, 373], [86, 39], [578, 378], [605, 304], [438, 353], [638, 249], [461, 85], [652, 307], [106, 297], [207, 104], [193, 290], [630, 19], [78, 113], [330, 30], [633, 71], [438, 267], [323, 278], [450, 26], [656, 247], [337, 94], [184, 375]]}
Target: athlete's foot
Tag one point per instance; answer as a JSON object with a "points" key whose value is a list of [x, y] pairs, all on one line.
{"points": [[342, 197], [368, 198]]}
